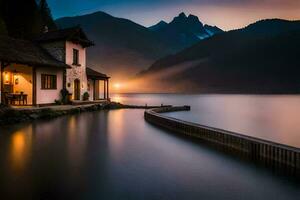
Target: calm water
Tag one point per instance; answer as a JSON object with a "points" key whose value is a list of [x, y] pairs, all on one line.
{"points": [[117, 155], [270, 117]]}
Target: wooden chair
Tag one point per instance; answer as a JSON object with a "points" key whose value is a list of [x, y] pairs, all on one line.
{"points": [[9, 99], [23, 98]]}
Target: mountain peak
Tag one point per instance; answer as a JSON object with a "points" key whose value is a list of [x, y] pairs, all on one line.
{"points": [[193, 17], [160, 25], [97, 14], [162, 22], [182, 15], [181, 18]]}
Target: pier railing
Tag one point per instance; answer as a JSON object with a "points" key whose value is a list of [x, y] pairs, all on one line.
{"points": [[268, 152]]}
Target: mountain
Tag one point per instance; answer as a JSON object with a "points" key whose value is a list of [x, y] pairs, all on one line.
{"points": [[184, 31], [122, 47], [212, 30], [270, 27], [160, 25], [260, 58]]}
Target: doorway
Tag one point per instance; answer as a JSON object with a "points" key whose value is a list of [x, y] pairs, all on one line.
{"points": [[77, 89]]}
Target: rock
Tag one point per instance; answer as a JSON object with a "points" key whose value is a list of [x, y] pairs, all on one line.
{"points": [[34, 116]]}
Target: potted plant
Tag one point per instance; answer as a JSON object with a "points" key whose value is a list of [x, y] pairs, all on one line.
{"points": [[86, 96], [70, 97], [65, 96]]}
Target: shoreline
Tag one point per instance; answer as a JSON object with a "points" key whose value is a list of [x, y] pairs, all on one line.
{"points": [[9, 115]]}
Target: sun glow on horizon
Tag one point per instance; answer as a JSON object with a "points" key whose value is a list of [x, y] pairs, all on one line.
{"points": [[117, 85]]}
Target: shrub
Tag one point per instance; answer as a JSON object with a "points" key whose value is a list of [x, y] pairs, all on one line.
{"points": [[64, 93], [58, 102], [86, 96]]}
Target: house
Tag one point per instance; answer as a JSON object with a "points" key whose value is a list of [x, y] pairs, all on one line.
{"points": [[35, 72]]}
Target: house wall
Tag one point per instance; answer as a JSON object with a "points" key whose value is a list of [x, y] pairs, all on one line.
{"points": [[76, 72], [48, 96]]}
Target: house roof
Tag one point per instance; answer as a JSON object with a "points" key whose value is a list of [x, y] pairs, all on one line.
{"points": [[92, 74], [74, 34], [26, 52]]}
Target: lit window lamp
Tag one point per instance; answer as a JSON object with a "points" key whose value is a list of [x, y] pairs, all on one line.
{"points": [[16, 77], [6, 77]]}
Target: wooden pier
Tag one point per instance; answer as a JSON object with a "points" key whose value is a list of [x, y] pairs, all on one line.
{"points": [[267, 152]]}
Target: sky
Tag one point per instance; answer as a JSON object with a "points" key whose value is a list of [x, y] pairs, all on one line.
{"points": [[226, 14]]}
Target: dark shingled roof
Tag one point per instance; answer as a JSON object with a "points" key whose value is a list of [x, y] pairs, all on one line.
{"points": [[26, 52], [74, 34], [92, 74]]}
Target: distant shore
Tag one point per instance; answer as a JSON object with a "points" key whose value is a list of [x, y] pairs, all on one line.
{"points": [[214, 93]]}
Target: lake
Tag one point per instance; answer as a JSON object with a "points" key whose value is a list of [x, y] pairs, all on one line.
{"points": [[117, 155], [271, 117]]}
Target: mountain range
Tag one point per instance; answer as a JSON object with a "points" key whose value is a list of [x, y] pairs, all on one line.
{"points": [[260, 58], [184, 31], [123, 48], [181, 56]]}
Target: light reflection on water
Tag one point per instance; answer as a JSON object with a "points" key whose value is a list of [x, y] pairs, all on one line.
{"points": [[117, 155], [20, 144], [270, 117]]}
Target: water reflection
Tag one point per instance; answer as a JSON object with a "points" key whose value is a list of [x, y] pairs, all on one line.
{"points": [[270, 117], [117, 155], [116, 126], [19, 150], [76, 143]]}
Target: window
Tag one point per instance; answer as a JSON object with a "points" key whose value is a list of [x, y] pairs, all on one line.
{"points": [[48, 82], [75, 57]]}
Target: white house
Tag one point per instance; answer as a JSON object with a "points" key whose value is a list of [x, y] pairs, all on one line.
{"points": [[35, 72]]}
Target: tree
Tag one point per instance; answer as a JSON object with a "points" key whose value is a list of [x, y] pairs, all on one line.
{"points": [[3, 30], [46, 15], [25, 18], [21, 18]]}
